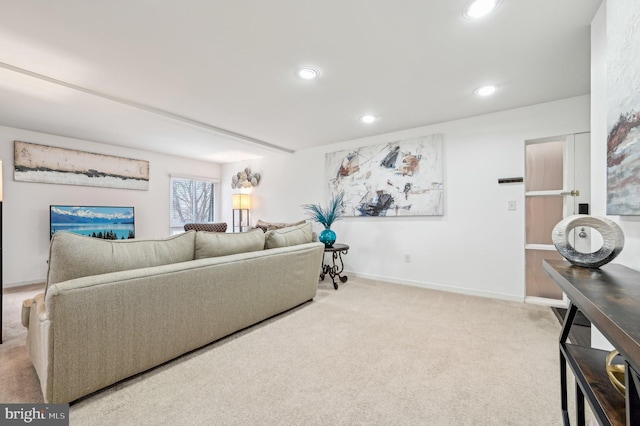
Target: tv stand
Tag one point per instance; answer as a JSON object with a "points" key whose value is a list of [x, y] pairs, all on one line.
{"points": [[609, 297]]}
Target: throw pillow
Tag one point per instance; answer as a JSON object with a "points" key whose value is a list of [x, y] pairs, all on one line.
{"points": [[289, 236], [75, 256], [269, 226], [213, 244]]}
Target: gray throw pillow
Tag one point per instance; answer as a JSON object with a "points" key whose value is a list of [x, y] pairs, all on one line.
{"points": [[213, 244], [269, 226], [289, 236]]}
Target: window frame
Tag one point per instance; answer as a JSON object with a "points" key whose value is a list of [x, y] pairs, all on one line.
{"points": [[176, 227]]}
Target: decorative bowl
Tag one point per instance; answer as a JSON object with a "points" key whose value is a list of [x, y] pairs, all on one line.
{"points": [[615, 372]]}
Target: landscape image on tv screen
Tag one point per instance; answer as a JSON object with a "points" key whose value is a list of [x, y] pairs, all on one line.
{"points": [[109, 223]]}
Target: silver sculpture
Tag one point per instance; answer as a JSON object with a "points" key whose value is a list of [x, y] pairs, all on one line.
{"points": [[613, 240]]}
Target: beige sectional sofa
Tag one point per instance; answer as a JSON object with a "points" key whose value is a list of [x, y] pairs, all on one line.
{"points": [[114, 309]]}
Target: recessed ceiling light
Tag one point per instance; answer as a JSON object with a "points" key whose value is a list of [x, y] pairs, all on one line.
{"points": [[308, 73], [487, 90], [480, 8], [368, 119]]}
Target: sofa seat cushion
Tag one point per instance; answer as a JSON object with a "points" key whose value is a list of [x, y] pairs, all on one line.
{"points": [[289, 236], [76, 256], [214, 244]]}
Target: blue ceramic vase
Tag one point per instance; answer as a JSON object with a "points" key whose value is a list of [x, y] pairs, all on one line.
{"points": [[328, 237]]}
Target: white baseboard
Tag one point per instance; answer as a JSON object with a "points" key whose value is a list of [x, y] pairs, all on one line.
{"points": [[441, 287], [23, 283]]}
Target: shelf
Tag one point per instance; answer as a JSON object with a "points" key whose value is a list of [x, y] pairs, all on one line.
{"points": [[588, 366], [609, 298], [581, 330]]}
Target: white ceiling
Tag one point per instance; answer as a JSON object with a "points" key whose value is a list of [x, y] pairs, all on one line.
{"points": [[216, 80]]}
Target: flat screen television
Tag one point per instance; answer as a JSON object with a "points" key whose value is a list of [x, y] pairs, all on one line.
{"points": [[106, 222]]}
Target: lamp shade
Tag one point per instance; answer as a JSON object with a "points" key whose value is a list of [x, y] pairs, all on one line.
{"points": [[0, 181], [241, 201]]}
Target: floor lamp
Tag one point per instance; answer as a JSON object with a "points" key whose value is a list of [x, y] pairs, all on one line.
{"points": [[241, 203]]}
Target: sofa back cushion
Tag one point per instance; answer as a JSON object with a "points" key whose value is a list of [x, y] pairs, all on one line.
{"points": [[289, 236], [214, 244], [269, 226], [75, 256]]}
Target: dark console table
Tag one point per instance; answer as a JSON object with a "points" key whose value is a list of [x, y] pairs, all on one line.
{"points": [[609, 297], [335, 270]]}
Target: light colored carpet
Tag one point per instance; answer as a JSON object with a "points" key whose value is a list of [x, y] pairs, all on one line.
{"points": [[371, 353], [18, 379]]}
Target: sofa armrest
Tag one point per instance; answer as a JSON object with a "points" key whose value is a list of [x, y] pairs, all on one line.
{"points": [[37, 302], [38, 342]]}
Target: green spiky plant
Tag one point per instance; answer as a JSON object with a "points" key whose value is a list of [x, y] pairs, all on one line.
{"points": [[326, 217]]}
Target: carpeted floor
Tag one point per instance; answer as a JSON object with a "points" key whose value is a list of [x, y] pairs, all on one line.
{"points": [[371, 353], [19, 382]]}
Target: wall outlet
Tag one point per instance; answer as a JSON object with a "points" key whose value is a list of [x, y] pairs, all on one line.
{"points": [[511, 205], [407, 257]]}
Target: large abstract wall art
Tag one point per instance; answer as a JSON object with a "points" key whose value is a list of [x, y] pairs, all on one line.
{"points": [[48, 164], [623, 104], [403, 178]]}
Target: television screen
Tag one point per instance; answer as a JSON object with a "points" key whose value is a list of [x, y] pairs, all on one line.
{"points": [[110, 223]]}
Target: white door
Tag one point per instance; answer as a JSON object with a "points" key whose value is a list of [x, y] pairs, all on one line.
{"points": [[557, 185]]}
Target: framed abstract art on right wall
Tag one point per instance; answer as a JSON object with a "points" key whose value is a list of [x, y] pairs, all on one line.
{"points": [[623, 107]]}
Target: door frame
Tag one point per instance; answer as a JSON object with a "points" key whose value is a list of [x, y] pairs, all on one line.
{"points": [[569, 208]]}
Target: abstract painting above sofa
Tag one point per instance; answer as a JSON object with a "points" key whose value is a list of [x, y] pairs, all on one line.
{"points": [[402, 178]]}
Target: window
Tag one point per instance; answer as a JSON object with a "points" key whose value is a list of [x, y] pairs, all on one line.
{"points": [[192, 201]]}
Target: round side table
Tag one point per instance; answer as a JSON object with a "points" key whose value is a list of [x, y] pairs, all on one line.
{"points": [[332, 269]]}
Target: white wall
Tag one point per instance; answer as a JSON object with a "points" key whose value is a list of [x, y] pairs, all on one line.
{"points": [[599, 113], [630, 255], [477, 247], [630, 225], [25, 219]]}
